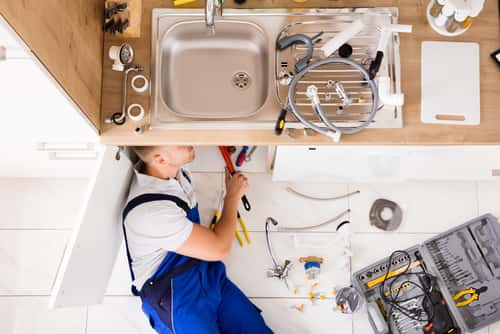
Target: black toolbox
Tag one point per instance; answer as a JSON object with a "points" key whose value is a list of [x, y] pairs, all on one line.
{"points": [[464, 257]]}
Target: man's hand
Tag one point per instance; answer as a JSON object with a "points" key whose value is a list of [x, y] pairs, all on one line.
{"points": [[236, 185], [215, 245]]}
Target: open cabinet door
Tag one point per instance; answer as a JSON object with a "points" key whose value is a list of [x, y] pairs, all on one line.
{"points": [[89, 258]]}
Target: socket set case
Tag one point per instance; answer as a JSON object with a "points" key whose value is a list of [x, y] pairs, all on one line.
{"points": [[464, 257]]}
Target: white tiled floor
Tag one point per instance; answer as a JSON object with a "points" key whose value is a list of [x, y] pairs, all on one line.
{"points": [[427, 206], [30, 260], [21, 198], [32, 242], [30, 315]]}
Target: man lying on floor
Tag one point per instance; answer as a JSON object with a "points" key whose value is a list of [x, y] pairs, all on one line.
{"points": [[174, 261]]}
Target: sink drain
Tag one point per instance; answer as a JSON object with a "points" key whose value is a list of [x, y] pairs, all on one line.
{"points": [[241, 80]]}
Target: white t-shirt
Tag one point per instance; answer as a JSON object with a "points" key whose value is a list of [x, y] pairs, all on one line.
{"points": [[154, 228]]}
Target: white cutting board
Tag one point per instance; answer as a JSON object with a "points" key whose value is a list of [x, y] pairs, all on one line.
{"points": [[450, 83]]}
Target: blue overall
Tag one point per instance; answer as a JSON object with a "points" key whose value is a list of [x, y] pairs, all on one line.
{"points": [[190, 296]]}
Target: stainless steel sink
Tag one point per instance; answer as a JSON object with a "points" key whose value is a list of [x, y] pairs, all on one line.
{"points": [[221, 75], [228, 80]]}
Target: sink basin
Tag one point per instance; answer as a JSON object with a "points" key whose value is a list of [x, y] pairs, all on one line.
{"points": [[232, 80], [221, 75]]}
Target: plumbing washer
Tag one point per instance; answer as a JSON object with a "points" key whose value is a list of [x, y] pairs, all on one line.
{"points": [[135, 115], [139, 89], [376, 215]]}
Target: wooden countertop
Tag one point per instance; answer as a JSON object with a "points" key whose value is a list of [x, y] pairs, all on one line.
{"points": [[485, 30]]}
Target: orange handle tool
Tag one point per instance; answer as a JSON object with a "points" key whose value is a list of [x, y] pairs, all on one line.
{"points": [[230, 167]]}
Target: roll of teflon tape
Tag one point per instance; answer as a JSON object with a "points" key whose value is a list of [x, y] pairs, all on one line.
{"points": [[135, 112], [142, 88]]}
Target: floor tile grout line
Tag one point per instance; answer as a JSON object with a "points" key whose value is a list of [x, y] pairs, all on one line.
{"points": [[35, 229], [24, 295], [349, 187], [349, 201], [355, 232], [86, 319]]}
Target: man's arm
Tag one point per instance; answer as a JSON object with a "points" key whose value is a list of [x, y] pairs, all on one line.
{"points": [[215, 245]]}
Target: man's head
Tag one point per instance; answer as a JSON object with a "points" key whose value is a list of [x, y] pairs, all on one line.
{"points": [[165, 157]]}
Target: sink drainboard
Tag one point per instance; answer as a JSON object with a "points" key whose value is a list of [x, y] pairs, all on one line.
{"points": [[364, 47]]}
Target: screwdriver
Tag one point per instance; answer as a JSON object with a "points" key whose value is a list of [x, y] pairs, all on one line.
{"points": [[242, 156]]}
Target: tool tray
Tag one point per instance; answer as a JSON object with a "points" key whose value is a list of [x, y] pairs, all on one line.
{"points": [[464, 257]]}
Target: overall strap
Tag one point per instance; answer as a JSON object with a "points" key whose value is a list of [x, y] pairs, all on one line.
{"points": [[141, 199], [186, 175], [144, 198]]}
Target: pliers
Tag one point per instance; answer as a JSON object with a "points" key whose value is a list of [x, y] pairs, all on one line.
{"points": [[216, 217], [469, 296], [244, 229]]}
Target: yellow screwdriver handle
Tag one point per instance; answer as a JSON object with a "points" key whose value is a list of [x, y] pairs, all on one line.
{"points": [[380, 279], [182, 2]]}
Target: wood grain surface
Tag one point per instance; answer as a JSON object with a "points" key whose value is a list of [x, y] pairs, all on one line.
{"points": [[133, 13], [485, 30]]}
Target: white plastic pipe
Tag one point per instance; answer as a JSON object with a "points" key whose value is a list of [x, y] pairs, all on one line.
{"points": [[387, 31], [342, 37], [384, 94]]}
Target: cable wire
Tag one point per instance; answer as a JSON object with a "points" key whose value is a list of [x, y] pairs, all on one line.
{"points": [[395, 302], [293, 191], [302, 228]]}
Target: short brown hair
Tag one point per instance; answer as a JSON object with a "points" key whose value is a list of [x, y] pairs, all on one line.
{"points": [[144, 152]]}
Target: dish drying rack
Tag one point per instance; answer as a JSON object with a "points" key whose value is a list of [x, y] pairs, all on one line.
{"points": [[364, 47]]}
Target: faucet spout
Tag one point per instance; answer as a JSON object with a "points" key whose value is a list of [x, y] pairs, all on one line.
{"points": [[211, 9]]}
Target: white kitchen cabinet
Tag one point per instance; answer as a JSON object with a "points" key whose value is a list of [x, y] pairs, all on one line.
{"points": [[386, 163], [43, 133], [453, 163], [12, 45], [338, 163]]}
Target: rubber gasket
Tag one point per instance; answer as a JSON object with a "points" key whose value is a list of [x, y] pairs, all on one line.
{"points": [[385, 224]]}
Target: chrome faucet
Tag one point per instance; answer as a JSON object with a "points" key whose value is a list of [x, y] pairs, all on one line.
{"points": [[211, 9]]}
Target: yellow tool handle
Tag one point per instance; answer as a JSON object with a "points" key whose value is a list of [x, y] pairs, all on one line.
{"points": [[462, 293], [215, 218], [244, 228], [473, 296], [380, 279], [182, 2], [238, 236], [467, 301]]}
